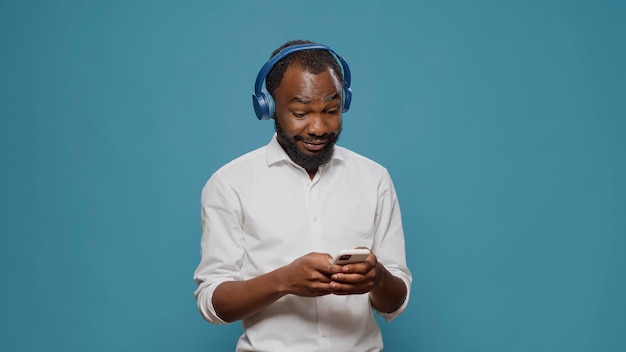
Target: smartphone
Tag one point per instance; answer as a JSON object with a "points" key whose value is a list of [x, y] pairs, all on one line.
{"points": [[348, 256]]}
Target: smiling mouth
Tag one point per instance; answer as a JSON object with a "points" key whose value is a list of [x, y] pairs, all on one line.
{"points": [[314, 145]]}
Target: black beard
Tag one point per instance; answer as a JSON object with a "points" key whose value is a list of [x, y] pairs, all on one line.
{"points": [[308, 162]]}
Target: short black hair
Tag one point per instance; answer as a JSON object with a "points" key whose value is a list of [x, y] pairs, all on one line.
{"points": [[314, 61]]}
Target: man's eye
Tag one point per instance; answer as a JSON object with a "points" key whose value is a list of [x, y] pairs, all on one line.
{"points": [[299, 114]]}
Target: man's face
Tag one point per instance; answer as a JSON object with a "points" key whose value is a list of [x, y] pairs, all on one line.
{"points": [[308, 116]]}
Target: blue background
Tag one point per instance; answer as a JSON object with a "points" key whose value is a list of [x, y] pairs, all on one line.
{"points": [[502, 124]]}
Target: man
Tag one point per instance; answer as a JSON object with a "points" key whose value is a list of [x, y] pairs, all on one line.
{"points": [[273, 218]]}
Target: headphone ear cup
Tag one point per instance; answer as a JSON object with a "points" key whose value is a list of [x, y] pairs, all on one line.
{"points": [[263, 105], [271, 110], [347, 98]]}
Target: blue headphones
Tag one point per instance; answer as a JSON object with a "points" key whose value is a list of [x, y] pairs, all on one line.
{"points": [[262, 99]]}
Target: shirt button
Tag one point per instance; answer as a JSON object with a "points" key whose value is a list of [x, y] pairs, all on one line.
{"points": [[324, 334], [315, 218]]}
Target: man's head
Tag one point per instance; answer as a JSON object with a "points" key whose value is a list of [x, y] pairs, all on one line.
{"points": [[314, 61], [307, 90]]}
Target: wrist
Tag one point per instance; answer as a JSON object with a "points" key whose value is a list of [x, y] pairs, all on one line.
{"points": [[281, 283], [378, 278]]}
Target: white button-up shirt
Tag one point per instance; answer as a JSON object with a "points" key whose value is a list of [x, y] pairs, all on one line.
{"points": [[261, 211]]}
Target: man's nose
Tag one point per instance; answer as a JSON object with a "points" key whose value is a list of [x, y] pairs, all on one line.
{"points": [[317, 125]]}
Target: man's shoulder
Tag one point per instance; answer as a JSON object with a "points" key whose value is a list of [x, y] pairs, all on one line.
{"points": [[355, 159], [358, 165], [244, 161]]}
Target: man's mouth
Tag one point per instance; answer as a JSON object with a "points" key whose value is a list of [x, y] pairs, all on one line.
{"points": [[314, 146]]}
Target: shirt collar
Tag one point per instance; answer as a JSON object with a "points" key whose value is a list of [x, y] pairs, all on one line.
{"points": [[275, 153]]}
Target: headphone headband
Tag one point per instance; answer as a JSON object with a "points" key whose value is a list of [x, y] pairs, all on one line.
{"points": [[263, 101]]}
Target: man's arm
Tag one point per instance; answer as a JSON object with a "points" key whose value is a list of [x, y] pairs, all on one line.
{"points": [[389, 291], [307, 276]]}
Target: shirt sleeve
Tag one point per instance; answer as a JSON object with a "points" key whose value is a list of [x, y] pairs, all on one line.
{"points": [[221, 244], [389, 245]]}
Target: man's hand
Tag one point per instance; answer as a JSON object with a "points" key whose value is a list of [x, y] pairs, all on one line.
{"points": [[356, 278], [386, 292], [309, 275]]}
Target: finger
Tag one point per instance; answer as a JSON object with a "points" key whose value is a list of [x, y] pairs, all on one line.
{"points": [[329, 269], [325, 279], [348, 289], [359, 268], [349, 278]]}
